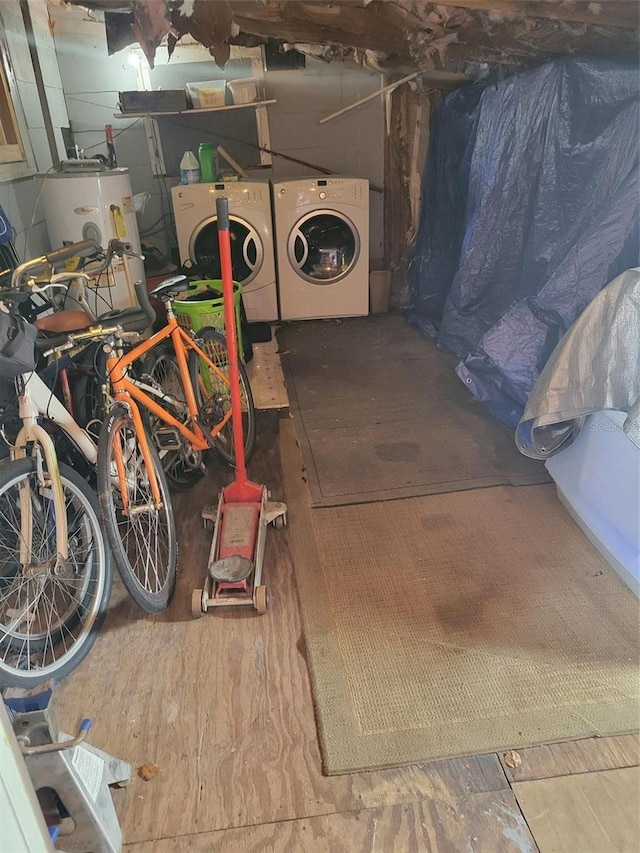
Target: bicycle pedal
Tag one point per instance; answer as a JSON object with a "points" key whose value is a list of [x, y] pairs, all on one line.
{"points": [[167, 438], [206, 430]]}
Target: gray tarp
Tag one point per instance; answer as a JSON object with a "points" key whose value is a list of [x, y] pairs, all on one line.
{"points": [[596, 366]]}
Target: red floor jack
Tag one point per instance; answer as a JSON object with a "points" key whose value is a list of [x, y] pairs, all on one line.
{"points": [[235, 561]]}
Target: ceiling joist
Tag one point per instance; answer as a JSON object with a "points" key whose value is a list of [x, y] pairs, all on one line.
{"points": [[396, 36]]}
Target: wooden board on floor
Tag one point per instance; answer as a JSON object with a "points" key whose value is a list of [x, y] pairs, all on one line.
{"points": [[578, 756], [484, 823], [589, 813], [265, 376]]}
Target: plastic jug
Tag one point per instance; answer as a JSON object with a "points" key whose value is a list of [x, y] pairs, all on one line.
{"points": [[206, 155], [189, 169]]}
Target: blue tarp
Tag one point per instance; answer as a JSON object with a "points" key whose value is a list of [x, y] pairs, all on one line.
{"points": [[531, 206], [7, 232]]}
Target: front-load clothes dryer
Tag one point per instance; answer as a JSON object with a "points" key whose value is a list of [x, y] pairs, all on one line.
{"points": [[322, 247], [251, 231]]}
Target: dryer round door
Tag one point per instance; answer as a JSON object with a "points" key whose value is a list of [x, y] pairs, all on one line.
{"points": [[247, 252], [323, 247]]}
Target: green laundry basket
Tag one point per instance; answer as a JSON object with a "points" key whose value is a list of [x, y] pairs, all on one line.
{"points": [[202, 305]]}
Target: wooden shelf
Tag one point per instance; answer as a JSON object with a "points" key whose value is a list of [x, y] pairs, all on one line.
{"points": [[195, 112]]}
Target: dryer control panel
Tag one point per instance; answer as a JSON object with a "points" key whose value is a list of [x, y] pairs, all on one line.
{"points": [[325, 190]]}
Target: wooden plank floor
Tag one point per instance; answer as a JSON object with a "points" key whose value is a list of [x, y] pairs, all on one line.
{"points": [[589, 812], [223, 705]]}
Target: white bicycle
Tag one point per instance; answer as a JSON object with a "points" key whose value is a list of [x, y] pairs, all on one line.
{"points": [[55, 564]]}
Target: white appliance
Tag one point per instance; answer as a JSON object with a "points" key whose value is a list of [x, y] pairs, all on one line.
{"points": [[598, 480], [252, 256], [322, 247], [95, 204]]}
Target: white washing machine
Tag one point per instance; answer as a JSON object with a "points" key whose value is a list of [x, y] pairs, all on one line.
{"points": [[322, 247], [250, 226]]}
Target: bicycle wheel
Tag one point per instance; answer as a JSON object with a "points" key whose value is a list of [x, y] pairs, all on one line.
{"points": [[88, 375], [213, 396], [142, 537], [183, 466], [50, 612]]}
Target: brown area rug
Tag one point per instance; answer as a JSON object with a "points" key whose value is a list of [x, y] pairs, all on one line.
{"points": [[381, 414], [457, 624]]}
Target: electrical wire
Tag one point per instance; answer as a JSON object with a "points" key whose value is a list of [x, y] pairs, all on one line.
{"points": [[95, 289], [99, 92], [167, 214], [148, 228], [100, 130], [92, 103], [33, 214], [115, 135], [224, 136]]}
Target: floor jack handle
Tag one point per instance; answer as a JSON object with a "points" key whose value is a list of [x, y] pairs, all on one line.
{"points": [[224, 243]]}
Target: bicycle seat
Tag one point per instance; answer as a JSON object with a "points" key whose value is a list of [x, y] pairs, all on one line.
{"points": [[69, 320], [171, 287], [131, 319]]}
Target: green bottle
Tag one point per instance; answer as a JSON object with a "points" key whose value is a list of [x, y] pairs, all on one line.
{"points": [[206, 156]]}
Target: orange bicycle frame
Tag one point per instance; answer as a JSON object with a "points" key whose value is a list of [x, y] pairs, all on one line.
{"points": [[125, 390]]}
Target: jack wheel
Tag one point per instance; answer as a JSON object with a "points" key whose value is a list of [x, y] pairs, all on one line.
{"points": [[280, 522], [260, 600], [196, 603]]}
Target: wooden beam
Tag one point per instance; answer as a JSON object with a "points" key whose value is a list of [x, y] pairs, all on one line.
{"points": [[377, 26], [607, 13]]}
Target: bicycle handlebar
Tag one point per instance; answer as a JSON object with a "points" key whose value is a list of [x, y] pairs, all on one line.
{"points": [[126, 328], [118, 247], [143, 301], [93, 333], [83, 248]]}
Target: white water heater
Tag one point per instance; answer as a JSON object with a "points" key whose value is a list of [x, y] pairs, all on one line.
{"points": [[98, 205]]}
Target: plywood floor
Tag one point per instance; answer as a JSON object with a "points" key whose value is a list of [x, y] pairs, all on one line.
{"points": [[223, 705]]}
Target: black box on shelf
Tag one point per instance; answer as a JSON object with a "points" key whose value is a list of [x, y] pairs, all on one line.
{"points": [[162, 101]]}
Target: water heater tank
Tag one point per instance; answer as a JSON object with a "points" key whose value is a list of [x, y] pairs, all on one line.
{"points": [[95, 204]]}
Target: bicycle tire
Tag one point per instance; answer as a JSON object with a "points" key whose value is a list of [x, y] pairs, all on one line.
{"points": [[62, 608], [144, 545], [161, 366], [87, 378], [213, 398]]}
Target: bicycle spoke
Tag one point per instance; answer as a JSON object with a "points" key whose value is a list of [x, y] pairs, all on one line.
{"points": [[48, 608], [141, 533]]}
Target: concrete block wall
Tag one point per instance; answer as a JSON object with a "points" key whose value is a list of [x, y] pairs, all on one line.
{"points": [[351, 144]]}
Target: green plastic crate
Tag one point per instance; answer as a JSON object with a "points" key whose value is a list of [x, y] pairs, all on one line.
{"points": [[194, 310]]}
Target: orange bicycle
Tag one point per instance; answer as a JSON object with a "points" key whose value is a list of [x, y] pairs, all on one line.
{"points": [[190, 409], [164, 402]]}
